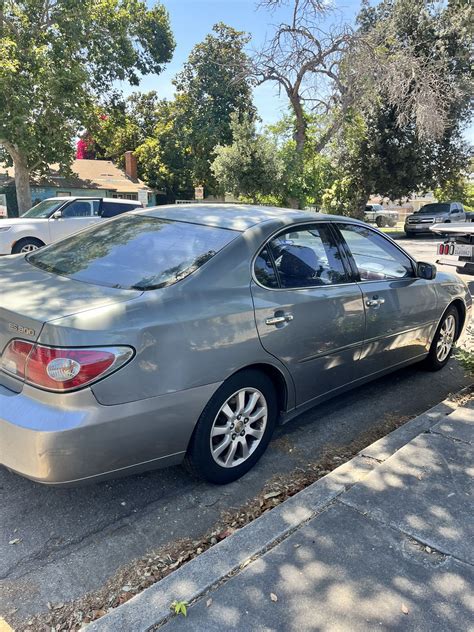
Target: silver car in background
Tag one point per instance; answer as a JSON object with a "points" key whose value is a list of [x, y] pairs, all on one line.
{"points": [[175, 334]]}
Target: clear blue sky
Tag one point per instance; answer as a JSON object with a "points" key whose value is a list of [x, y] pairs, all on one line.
{"points": [[192, 20]]}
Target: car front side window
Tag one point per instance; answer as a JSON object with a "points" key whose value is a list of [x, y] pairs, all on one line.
{"points": [[306, 256], [81, 208], [375, 257]]}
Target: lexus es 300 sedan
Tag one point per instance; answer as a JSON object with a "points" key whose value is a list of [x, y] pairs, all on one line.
{"points": [[175, 334]]}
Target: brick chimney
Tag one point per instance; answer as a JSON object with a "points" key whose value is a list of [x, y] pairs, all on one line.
{"points": [[131, 165]]}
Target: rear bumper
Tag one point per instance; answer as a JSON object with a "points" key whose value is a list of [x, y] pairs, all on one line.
{"points": [[67, 439]]}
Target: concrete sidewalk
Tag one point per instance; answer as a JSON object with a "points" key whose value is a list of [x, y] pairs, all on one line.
{"points": [[385, 542]]}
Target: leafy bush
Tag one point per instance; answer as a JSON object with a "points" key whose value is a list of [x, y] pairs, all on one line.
{"points": [[466, 358], [466, 355]]}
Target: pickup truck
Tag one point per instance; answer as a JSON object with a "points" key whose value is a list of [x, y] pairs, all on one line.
{"points": [[435, 213], [377, 214]]}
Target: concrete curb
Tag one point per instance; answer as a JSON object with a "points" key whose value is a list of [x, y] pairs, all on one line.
{"points": [[152, 606]]}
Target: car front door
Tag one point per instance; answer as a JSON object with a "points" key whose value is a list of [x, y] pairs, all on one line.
{"points": [[309, 311], [457, 214], [402, 310], [74, 217]]}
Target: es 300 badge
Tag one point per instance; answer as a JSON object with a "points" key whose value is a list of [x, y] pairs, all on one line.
{"points": [[19, 329]]}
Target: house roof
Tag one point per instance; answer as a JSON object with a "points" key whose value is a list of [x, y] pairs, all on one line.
{"points": [[87, 174]]}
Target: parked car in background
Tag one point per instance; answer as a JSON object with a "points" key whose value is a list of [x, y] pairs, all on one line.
{"points": [[56, 218], [377, 214], [189, 332], [434, 213]]}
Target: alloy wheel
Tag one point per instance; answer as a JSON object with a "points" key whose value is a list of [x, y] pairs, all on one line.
{"points": [[29, 248], [446, 338], [238, 427]]}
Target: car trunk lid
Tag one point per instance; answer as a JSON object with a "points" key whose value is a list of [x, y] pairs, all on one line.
{"points": [[30, 297]]}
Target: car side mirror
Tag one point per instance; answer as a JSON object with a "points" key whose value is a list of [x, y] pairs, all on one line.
{"points": [[56, 215], [425, 270]]}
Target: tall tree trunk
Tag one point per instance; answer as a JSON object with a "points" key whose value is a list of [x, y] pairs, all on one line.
{"points": [[361, 204], [300, 126], [22, 184], [299, 137], [22, 176]]}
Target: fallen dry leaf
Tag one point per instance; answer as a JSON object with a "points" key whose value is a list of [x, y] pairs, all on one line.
{"points": [[273, 597], [15, 541], [272, 495], [404, 609], [208, 602]]}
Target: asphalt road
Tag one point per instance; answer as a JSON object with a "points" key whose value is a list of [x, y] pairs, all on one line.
{"points": [[70, 541]]}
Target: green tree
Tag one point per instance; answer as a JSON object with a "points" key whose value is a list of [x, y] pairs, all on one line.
{"points": [[164, 158], [422, 147], [250, 166], [393, 151], [308, 173], [154, 129], [126, 125], [212, 86], [56, 60]]}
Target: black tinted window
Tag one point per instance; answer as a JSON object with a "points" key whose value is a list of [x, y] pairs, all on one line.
{"points": [[111, 209], [435, 208], [133, 251], [308, 256], [265, 270], [81, 208], [375, 257]]}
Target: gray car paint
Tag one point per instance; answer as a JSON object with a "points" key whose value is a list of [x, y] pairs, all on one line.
{"points": [[189, 338]]}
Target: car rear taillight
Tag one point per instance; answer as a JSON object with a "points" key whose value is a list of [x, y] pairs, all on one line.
{"points": [[58, 369], [14, 357]]}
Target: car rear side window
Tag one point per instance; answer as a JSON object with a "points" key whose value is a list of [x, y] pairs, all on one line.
{"points": [[111, 209], [265, 272], [133, 252], [304, 256]]}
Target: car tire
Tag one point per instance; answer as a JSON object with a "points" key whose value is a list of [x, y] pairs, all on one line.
{"points": [[380, 221], [443, 341], [26, 245], [409, 233], [249, 392]]}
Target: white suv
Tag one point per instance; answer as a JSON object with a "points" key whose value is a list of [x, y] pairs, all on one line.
{"points": [[56, 218]]}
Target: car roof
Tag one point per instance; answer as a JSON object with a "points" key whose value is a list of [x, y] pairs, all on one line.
{"points": [[232, 216], [70, 198]]}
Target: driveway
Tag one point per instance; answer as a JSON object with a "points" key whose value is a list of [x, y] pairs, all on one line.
{"points": [[67, 542]]}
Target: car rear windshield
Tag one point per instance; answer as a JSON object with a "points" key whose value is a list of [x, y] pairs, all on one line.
{"points": [[133, 252], [434, 208]]}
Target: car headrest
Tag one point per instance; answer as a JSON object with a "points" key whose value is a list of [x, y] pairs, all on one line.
{"points": [[298, 261]]}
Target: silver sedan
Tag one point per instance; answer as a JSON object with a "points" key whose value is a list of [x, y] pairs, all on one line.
{"points": [[176, 334]]}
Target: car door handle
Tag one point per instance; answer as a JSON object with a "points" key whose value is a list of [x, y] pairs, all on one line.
{"points": [[279, 320], [375, 301]]}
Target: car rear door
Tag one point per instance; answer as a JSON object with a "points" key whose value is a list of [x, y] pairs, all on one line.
{"points": [[75, 216], [309, 311], [402, 310]]}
